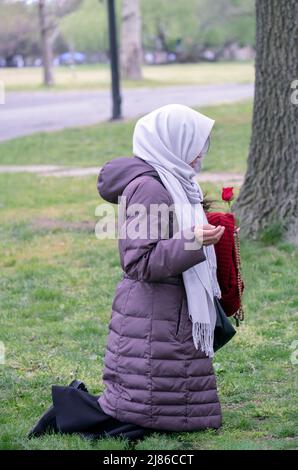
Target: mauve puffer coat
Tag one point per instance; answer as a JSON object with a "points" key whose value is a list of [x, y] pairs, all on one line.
{"points": [[153, 375]]}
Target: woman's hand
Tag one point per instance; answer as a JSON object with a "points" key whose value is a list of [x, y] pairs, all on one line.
{"points": [[208, 234]]}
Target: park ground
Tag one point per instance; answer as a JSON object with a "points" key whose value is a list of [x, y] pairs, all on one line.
{"points": [[58, 280], [98, 76]]}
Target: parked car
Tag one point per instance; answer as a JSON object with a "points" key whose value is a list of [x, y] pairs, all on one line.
{"points": [[15, 61], [70, 58]]}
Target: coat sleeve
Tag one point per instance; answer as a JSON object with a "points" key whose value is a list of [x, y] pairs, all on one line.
{"points": [[153, 258]]}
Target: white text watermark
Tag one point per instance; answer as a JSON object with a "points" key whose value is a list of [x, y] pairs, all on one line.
{"points": [[150, 222]]}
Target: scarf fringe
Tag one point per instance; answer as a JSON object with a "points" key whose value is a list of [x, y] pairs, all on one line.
{"points": [[203, 337]]}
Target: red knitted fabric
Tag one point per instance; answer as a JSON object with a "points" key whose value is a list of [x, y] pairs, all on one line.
{"points": [[226, 262]]}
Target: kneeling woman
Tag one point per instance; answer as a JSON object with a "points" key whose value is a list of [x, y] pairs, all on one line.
{"points": [[158, 371]]}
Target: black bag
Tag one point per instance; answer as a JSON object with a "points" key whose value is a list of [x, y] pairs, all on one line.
{"points": [[224, 330]]}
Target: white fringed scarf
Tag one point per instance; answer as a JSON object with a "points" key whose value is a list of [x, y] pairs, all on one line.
{"points": [[169, 139]]}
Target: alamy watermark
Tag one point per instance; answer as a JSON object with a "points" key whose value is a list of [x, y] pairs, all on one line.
{"points": [[150, 222]]}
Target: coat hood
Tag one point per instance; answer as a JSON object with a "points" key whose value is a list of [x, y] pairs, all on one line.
{"points": [[116, 174]]}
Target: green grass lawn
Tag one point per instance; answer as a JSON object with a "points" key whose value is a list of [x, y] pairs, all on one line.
{"points": [[57, 285], [98, 76], [96, 144]]}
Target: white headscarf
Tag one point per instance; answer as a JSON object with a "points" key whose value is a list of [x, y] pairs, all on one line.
{"points": [[169, 138]]}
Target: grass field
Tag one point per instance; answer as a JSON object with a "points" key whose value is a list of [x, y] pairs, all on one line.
{"points": [[57, 284], [94, 145], [98, 76]]}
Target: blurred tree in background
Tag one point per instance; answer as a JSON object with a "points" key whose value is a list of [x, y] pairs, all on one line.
{"points": [[196, 24], [49, 13], [268, 199], [86, 29], [19, 24], [32, 28], [131, 56], [184, 27]]}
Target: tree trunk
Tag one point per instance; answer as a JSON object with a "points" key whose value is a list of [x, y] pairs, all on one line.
{"points": [[131, 41], [269, 195], [47, 56]]}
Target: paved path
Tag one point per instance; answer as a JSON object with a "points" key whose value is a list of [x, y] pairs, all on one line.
{"points": [[25, 113], [61, 171]]}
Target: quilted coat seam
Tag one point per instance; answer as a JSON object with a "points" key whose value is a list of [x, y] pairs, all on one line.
{"points": [[134, 411], [118, 349], [165, 376], [127, 355], [150, 360]]}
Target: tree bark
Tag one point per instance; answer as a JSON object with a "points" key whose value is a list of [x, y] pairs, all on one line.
{"points": [[47, 55], [269, 195], [131, 41]]}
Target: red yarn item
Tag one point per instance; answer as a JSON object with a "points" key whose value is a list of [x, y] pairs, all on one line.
{"points": [[227, 270]]}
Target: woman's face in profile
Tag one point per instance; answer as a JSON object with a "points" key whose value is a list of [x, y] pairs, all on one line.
{"points": [[196, 164]]}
